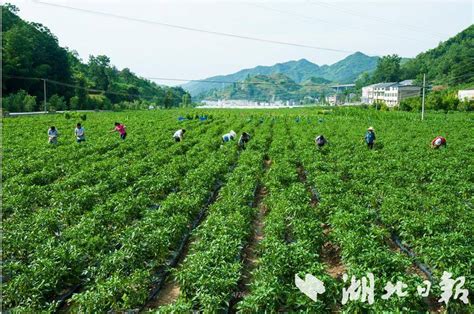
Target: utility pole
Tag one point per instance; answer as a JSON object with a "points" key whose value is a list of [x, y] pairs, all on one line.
{"points": [[44, 91], [423, 99]]}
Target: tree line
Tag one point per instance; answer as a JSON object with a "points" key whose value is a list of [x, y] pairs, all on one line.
{"points": [[31, 52]]}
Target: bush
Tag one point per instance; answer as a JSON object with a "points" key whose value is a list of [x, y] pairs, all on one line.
{"points": [[20, 102], [410, 104], [384, 107], [56, 103], [466, 105]]}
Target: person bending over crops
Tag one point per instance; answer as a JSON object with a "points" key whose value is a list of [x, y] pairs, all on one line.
{"points": [[370, 137], [244, 139], [80, 133], [52, 135], [438, 142], [119, 127], [229, 136], [179, 135], [320, 141]]}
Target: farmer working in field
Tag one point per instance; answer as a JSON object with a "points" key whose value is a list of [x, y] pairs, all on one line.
{"points": [[79, 132], [320, 141], [370, 137], [119, 127], [52, 135], [229, 136], [244, 138], [438, 142], [179, 135]]}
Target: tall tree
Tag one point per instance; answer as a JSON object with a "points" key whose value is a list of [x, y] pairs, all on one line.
{"points": [[98, 68], [388, 69]]}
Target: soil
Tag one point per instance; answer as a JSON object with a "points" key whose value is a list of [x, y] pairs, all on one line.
{"points": [[250, 251], [331, 257], [249, 254], [167, 295], [302, 177]]}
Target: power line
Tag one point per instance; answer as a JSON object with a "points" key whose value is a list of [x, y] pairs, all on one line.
{"points": [[77, 86], [376, 18], [311, 18], [170, 79], [187, 28], [185, 80]]}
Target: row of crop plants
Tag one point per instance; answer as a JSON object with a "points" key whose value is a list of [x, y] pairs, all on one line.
{"points": [[210, 274], [354, 184], [124, 277], [27, 152], [292, 238], [53, 170], [74, 195], [79, 242], [426, 198]]}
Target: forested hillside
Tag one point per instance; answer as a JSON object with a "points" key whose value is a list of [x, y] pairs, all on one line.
{"points": [[451, 63], [273, 87], [343, 71], [31, 52]]}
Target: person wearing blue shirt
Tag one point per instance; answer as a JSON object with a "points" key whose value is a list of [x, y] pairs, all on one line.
{"points": [[370, 137]]}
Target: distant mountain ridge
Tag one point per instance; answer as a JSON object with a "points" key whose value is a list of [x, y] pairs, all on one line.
{"points": [[343, 71], [273, 87]]}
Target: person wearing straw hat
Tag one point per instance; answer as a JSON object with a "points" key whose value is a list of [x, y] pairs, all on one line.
{"points": [[438, 142], [370, 137], [229, 136]]}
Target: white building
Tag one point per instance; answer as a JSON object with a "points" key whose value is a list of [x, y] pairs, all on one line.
{"points": [[389, 93], [336, 99], [466, 94]]}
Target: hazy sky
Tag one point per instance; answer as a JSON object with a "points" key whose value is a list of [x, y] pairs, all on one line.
{"points": [[404, 27]]}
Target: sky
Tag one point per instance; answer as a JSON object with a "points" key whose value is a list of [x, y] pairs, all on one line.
{"points": [[138, 41]]}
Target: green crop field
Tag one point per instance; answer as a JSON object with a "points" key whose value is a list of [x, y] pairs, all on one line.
{"points": [[147, 224]]}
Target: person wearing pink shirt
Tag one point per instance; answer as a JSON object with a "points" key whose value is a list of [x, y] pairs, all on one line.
{"points": [[119, 127]]}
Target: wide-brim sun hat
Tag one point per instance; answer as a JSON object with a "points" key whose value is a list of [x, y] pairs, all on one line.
{"points": [[370, 129]]}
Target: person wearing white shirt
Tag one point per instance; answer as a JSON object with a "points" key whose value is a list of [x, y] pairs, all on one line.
{"points": [[80, 133], [229, 136], [179, 135], [52, 135]]}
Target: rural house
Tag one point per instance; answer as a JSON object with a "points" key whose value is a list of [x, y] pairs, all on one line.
{"points": [[389, 93]]}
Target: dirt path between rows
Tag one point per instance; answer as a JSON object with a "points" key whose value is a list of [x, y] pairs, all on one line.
{"points": [[331, 256], [250, 254], [167, 295], [330, 252]]}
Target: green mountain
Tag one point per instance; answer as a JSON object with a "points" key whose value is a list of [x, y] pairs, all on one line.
{"points": [[344, 71], [271, 88], [450, 63], [348, 69]]}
